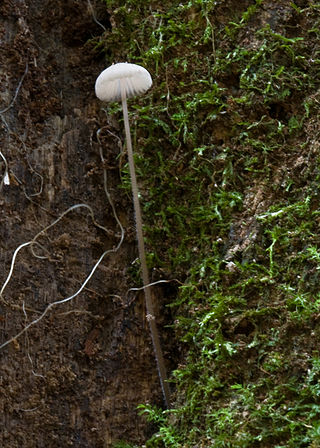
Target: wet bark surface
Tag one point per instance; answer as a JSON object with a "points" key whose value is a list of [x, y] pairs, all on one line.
{"points": [[76, 377]]}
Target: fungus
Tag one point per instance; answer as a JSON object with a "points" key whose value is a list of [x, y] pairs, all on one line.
{"points": [[119, 82]]}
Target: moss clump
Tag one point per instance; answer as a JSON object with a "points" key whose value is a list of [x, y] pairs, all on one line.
{"points": [[230, 154]]}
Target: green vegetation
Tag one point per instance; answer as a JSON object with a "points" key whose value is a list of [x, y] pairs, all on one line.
{"points": [[230, 167]]}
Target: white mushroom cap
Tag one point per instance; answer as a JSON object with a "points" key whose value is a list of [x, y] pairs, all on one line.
{"points": [[133, 78]]}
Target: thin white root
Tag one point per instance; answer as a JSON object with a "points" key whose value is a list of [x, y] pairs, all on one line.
{"points": [[37, 174], [94, 16], [16, 92], [34, 240], [12, 265], [59, 302], [153, 284]]}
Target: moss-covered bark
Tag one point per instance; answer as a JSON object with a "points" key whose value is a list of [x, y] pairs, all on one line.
{"points": [[229, 170], [228, 166]]}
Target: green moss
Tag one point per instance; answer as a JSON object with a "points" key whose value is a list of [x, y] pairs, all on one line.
{"points": [[229, 173]]}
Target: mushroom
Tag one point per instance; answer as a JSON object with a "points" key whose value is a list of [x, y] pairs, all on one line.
{"points": [[119, 82]]}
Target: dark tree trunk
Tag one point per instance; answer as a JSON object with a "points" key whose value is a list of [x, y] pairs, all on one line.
{"points": [[76, 377]]}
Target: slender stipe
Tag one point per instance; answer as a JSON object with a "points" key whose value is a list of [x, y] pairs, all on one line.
{"points": [[119, 82], [143, 261]]}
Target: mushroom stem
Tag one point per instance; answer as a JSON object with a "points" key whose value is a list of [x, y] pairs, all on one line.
{"points": [[142, 255]]}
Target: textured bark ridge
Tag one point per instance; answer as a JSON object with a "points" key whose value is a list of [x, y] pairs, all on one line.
{"points": [[76, 377]]}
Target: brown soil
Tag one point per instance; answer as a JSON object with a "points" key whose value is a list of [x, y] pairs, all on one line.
{"points": [[76, 377]]}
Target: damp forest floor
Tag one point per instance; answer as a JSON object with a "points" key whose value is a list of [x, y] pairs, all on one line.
{"points": [[227, 146]]}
